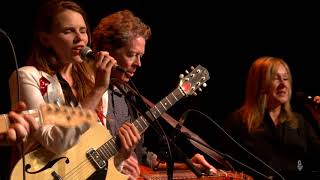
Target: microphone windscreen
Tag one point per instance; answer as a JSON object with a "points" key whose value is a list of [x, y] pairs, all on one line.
{"points": [[86, 53]]}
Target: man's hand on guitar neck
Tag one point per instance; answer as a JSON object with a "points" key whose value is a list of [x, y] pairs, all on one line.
{"points": [[20, 125], [129, 138]]}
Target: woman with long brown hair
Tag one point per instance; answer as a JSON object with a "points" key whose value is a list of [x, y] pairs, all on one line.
{"points": [[57, 74]]}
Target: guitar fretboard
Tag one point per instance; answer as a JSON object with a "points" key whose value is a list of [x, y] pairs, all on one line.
{"points": [[110, 148]]}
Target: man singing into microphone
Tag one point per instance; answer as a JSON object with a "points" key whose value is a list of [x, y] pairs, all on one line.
{"points": [[124, 36]]}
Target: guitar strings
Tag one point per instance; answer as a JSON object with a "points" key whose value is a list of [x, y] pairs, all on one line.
{"points": [[81, 168]]}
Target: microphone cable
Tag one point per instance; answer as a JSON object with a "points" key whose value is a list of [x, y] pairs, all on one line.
{"points": [[21, 148], [162, 132], [231, 138], [15, 60]]}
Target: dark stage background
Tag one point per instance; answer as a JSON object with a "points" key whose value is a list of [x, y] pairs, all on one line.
{"points": [[223, 37]]}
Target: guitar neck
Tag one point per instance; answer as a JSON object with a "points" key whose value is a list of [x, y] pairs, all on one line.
{"points": [[112, 146], [187, 86], [142, 124], [5, 121]]}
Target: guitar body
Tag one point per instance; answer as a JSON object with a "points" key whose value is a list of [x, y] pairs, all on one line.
{"points": [[73, 164]]}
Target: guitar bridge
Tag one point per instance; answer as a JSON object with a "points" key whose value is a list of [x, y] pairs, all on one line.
{"points": [[96, 159]]}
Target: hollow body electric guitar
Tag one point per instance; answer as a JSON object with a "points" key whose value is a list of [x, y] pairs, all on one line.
{"points": [[97, 147]]}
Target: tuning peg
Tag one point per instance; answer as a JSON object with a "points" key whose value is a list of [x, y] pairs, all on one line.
{"points": [[195, 94], [59, 102], [72, 104], [192, 68], [187, 72], [57, 109], [200, 89], [49, 108], [204, 84], [181, 76]]}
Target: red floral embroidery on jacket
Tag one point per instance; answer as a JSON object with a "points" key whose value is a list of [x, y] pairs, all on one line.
{"points": [[43, 85]]}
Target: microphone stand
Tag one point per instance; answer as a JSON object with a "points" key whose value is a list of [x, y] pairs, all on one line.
{"points": [[164, 153], [176, 133]]}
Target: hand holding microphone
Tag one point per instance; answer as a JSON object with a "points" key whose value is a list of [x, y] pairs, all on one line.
{"points": [[103, 64], [312, 103], [87, 54]]}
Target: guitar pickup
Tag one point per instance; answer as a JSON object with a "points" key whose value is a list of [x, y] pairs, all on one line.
{"points": [[96, 159]]}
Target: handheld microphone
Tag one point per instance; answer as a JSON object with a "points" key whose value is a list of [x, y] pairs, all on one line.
{"points": [[308, 99], [87, 54]]}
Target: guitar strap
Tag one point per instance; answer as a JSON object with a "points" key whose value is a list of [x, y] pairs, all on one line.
{"points": [[199, 143], [70, 99]]}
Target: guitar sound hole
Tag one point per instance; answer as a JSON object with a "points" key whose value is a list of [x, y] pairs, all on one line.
{"points": [[47, 166]]}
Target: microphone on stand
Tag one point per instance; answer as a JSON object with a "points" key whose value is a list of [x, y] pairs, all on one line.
{"points": [[87, 54]]}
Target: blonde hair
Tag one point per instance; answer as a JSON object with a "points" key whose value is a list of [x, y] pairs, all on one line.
{"points": [[257, 87]]}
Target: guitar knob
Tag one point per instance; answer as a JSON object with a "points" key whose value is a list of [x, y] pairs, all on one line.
{"points": [[181, 76], [204, 84]]}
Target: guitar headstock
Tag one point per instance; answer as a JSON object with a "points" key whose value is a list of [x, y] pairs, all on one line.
{"points": [[194, 80], [65, 116]]}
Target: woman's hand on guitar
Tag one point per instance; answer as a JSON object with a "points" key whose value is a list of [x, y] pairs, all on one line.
{"points": [[21, 125], [201, 163], [131, 167], [129, 138]]}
